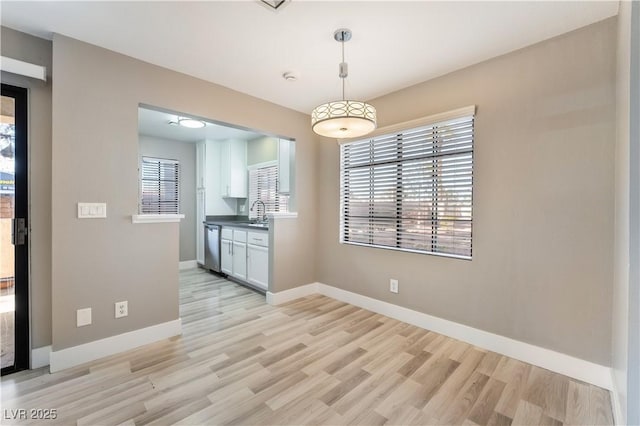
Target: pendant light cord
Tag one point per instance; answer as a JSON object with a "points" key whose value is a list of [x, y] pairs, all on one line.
{"points": [[343, 78]]}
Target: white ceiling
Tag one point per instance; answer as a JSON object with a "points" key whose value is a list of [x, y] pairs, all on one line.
{"points": [[156, 123], [246, 47]]}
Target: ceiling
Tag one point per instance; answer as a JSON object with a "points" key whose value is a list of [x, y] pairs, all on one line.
{"points": [[156, 123], [244, 46]]}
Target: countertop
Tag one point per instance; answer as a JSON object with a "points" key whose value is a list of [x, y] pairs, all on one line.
{"points": [[236, 222]]}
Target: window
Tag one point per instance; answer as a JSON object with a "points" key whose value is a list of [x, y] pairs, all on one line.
{"points": [[160, 186], [263, 186], [411, 189]]}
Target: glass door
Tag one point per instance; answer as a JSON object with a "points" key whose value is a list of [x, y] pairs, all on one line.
{"points": [[14, 312]]}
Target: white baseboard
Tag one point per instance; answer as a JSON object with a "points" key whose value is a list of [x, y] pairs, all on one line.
{"points": [[188, 264], [576, 368], [292, 294], [76, 355], [40, 356]]}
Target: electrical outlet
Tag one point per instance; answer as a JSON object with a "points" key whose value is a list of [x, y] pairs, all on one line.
{"points": [[393, 285], [122, 309], [83, 317]]}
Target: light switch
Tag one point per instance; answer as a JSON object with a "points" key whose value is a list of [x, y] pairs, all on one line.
{"points": [[83, 317], [92, 210]]}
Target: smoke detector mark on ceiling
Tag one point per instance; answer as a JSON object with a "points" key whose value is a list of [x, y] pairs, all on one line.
{"points": [[274, 5], [290, 76]]}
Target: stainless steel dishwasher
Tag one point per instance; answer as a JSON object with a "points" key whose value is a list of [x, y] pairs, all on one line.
{"points": [[212, 247]]}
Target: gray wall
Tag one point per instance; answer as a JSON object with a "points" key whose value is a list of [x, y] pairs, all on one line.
{"points": [[261, 150], [185, 153], [543, 190], [35, 50], [98, 262]]}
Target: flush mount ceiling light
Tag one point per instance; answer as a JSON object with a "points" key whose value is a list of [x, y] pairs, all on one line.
{"points": [[346, 118], [190, 123]]}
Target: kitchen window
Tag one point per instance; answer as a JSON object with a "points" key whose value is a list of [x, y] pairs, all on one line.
{"points": [[264, 186], [160, 183], [411, 188]]}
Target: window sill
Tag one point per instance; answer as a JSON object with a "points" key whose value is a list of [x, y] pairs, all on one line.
{"points": [[156, 218], [282, 215]]}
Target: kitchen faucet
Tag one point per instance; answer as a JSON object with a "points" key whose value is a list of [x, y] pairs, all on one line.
{"points": [[264, 209]]}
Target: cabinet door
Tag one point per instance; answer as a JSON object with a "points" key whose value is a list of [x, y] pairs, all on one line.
{"points": [[233, 169], [225, 168], [201, 162], [284, 165], [237, 169], [258, 266], [226, 257], [200, 217], [240, 260]]}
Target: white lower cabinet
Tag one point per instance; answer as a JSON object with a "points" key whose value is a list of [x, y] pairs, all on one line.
{"points": [[233, 256], [245, 256], [226, 258], [239, 260], [258, 259]]}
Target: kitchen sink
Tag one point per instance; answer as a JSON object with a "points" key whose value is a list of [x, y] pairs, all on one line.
{"points": [[259, 225]]}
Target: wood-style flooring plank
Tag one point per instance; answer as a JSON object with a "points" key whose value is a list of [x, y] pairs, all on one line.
{"points": [[600, 406], [578, 404], [484, 407], [527, 414]]}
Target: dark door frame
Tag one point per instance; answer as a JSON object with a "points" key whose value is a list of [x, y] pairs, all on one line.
{"points": [[21, 275]]}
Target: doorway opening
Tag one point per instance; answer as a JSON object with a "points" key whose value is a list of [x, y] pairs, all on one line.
{"points": [[226, 181]]}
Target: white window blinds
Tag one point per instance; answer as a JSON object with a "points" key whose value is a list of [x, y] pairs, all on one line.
{"points": [[410, 190], [160, 182], [263, 186]]}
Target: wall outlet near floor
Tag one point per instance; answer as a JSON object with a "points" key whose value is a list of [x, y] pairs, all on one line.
{"points": [[83, 317], [393, 285], [122, 309]]}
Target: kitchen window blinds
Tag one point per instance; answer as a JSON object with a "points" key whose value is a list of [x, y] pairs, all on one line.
{"points": [[263, 186], [410, 190], [160, 182]]}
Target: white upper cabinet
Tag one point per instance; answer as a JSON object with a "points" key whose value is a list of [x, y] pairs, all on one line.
{"points": [[233, 169], [285, 152], [201, 161], [225, 175]]}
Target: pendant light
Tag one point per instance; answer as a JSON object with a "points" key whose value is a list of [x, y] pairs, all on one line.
{"points": [[345, 118]]}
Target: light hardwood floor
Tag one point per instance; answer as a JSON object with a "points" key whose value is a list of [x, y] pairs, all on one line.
{"points": [[311, 361]]}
